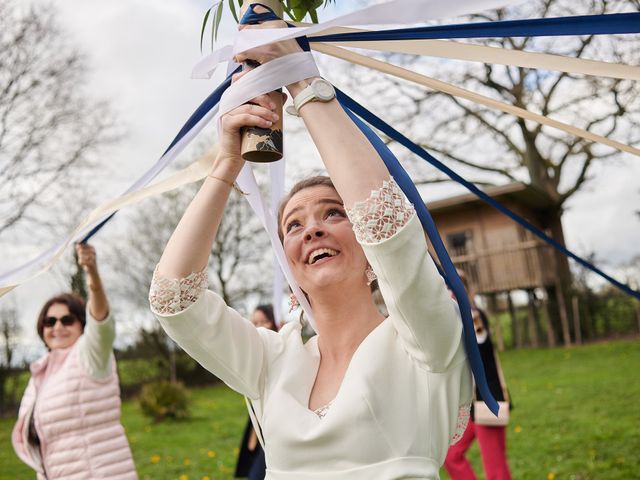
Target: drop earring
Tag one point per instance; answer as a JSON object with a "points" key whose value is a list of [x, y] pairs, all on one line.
{"points": [[370, 274], [293, 303]]}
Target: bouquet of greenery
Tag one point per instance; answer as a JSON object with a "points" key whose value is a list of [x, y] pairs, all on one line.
{"points": [[296, 10]]}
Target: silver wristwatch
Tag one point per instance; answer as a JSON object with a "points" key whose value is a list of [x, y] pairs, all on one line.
{"points": [[319, 91]]}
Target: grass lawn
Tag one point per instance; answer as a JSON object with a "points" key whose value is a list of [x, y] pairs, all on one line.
{"points": [[576, 417]]}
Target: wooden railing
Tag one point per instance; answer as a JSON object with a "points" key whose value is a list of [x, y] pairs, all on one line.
{"points": [[523, 265]]}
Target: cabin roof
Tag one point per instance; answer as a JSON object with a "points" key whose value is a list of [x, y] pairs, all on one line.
{"points": [[516, 191]]}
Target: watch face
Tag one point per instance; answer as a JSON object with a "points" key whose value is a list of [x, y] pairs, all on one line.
{"points": [[324, 90]]}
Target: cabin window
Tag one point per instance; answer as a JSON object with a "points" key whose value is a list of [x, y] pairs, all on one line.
{"points": [[460, 243]]}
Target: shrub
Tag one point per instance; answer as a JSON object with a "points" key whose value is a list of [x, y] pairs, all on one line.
{"points": [[164, 399]]}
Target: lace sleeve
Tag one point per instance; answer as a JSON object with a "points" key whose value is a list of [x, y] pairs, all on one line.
{"points": [[169, 296], [381, 215], [464, 413]]}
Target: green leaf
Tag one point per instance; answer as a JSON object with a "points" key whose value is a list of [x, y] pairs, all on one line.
{"points": [[216, 22], [204, 26], [299, 13], [232, 7]]}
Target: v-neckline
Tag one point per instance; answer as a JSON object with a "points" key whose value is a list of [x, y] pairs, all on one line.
{"points": [[316, 351]]}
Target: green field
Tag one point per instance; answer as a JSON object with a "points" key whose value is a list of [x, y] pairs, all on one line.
{"points": [[576, 418]]}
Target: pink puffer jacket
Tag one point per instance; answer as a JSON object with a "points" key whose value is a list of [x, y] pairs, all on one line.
{"points": [[77, 418]]}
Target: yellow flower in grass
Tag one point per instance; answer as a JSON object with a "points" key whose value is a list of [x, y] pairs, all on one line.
{"points": [[551, 476], [186, 461], [211, 454], [205, 478], [183, 477], [155, 458], [517, 429]]}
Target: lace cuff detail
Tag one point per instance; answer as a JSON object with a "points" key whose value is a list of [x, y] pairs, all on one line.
{"points": [[381, 215], [464, 412], [168, 296]]}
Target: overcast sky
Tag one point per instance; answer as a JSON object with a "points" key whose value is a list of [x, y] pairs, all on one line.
{"points": [[141, 53]]}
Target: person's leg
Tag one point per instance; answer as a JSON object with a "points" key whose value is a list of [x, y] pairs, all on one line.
{"points": [[456, 464], [493, 448], [258, 467]]}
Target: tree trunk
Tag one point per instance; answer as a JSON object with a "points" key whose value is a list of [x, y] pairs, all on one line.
{"points": [[558, 293]]}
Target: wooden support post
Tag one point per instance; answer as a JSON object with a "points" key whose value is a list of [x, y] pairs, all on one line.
{"points": [[546, 320], [577, 329], [531, 320], [564, 318]]}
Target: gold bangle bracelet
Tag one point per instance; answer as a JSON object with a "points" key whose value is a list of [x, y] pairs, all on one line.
{"points": [[233, 185]]}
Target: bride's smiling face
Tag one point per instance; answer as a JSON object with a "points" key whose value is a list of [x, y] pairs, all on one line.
{"points": [[319, 241]]}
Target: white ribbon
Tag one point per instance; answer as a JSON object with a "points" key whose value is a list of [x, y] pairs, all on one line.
{"points": [[450, 89], [277, 174], [267, 78], [396, 12], [503, 56]]}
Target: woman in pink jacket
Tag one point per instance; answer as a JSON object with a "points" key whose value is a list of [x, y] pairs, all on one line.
{"points": [[69, 420]]}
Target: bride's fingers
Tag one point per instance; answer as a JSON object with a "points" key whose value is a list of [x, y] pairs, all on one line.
{"points": [[249, 115], [264, 101], [237, 76]]}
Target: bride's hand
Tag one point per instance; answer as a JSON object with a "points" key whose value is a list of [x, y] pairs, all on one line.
{"points": [[266, 53], [257, 113]]}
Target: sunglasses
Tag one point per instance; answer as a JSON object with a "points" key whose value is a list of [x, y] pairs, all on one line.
{"points": [[66, 320]]}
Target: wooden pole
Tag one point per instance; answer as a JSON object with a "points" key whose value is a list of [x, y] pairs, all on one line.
{"points": [[577, 329], [532, 323], [546, 320], [263, 145], [564, 318], [493, 313], [515, 324]]}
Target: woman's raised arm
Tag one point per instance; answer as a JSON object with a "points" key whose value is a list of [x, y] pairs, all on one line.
{"points": [[353, 164], [190, 244]]}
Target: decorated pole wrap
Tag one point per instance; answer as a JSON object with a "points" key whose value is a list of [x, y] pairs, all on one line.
{"points": [[263, 145]]}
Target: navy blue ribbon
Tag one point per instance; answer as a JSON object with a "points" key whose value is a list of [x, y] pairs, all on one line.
{"points": [[538, 27], [251, 17], [450, 275], [205, 107], [387, 129]]}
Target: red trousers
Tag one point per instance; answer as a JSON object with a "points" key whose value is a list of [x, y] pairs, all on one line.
{"points": [[493, 449]]}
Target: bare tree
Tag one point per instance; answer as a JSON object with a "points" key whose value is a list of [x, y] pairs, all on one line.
{"points": [[239, 267], [48, 124], [492, 147]]}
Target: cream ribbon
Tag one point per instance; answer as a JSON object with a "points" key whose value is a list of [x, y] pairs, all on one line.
{"points": [[400, 72], [450, 49], [194, 172], [199, 169]]}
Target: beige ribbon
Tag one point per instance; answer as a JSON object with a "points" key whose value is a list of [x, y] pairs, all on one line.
{"points": [[484, 54], [194, 172], [437, 48], [400, 72]]}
